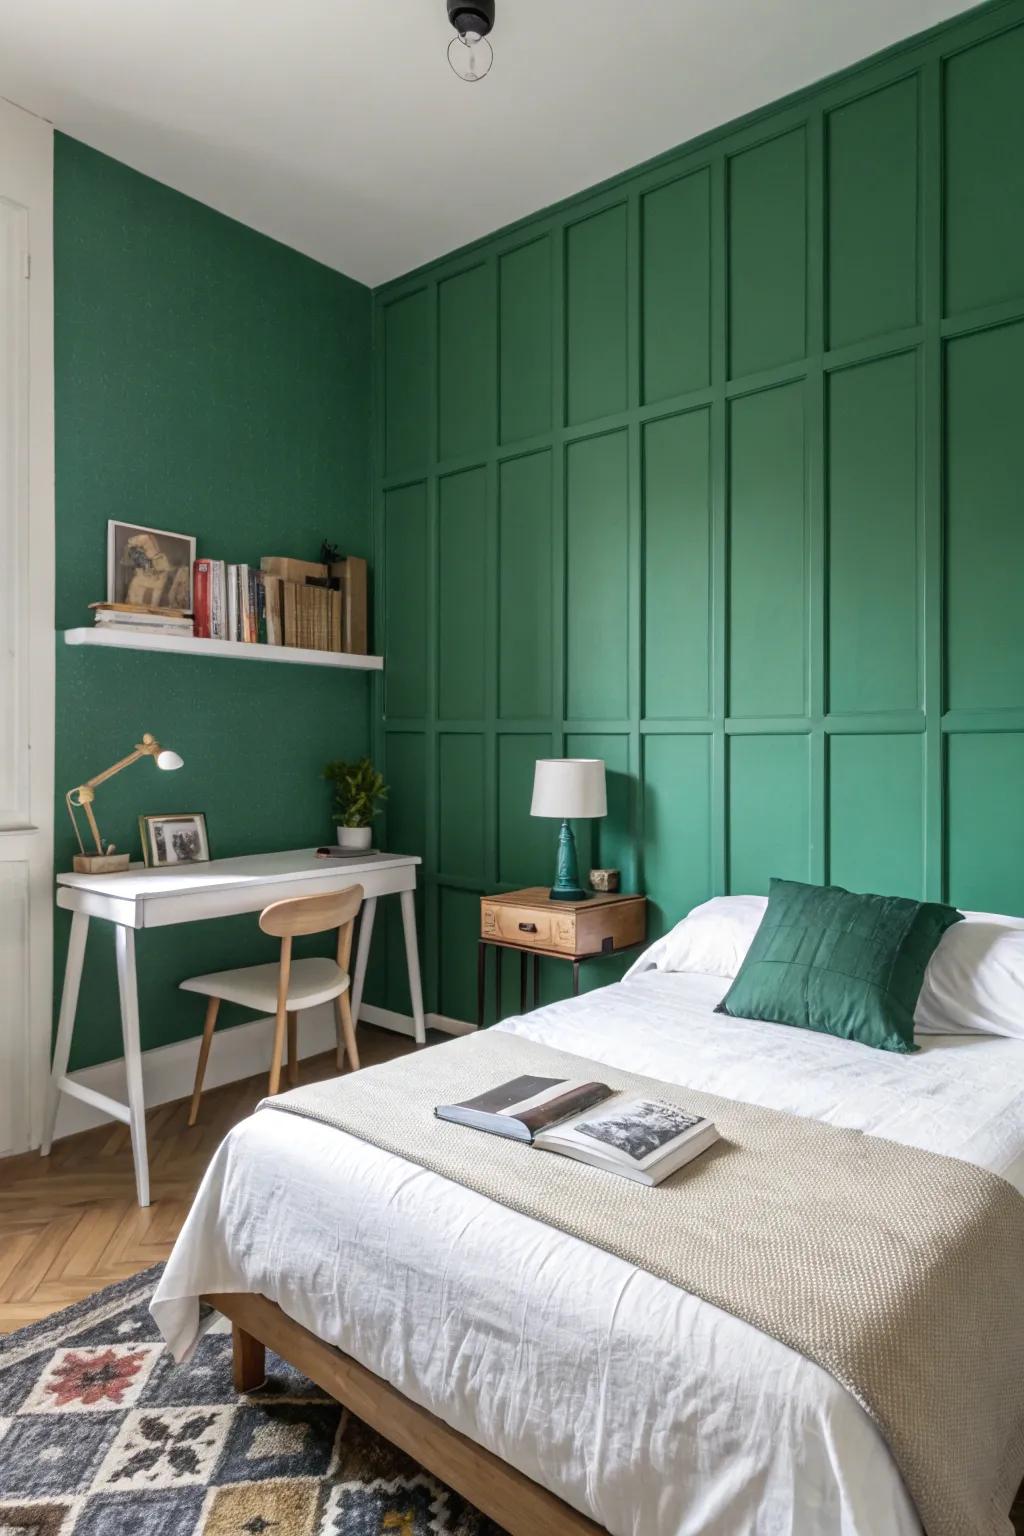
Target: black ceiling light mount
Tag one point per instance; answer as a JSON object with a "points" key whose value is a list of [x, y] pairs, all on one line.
{"points": [[469, 53]]}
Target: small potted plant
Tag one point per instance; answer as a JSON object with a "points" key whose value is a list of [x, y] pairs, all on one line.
{"points": [[358, 792]]}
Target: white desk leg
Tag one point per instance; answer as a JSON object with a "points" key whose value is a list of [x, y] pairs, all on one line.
{"points": [[412, 960], [65, 1024], [124, 943], [366, 918]]}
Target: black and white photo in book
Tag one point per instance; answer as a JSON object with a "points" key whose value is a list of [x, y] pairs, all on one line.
{"points": [[640, 1127]]}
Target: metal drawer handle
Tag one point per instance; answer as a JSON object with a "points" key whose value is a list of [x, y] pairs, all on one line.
{"points": [[527, 927]]}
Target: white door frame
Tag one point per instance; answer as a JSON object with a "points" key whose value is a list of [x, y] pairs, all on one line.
{"points": [[27, 584]]}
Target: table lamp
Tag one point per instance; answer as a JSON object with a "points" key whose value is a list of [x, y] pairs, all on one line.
{"points": [[565, 787], [106, 861]]}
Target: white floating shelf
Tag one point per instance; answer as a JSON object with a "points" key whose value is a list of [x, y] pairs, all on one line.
{"points": [[231, 650]]}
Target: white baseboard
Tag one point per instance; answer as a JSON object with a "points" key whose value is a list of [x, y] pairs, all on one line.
{"points": [[168, 1071]]}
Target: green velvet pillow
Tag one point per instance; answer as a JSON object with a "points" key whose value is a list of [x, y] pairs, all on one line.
{"points": [[826, 959]]}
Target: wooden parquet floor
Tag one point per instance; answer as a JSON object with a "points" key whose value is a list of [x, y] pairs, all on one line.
{"points": [[69, 1224]]}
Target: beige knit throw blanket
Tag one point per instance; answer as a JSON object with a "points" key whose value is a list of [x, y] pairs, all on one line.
{"points": [[900, 1272]]}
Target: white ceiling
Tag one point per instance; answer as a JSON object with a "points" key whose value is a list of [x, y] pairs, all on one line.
{"points": [[337, 126]]}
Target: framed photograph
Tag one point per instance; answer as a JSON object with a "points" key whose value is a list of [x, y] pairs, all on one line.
{"points": [[148, 567], [174, 839]]}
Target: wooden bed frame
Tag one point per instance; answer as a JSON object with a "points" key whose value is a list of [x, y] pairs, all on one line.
{"points": [[510, 1498]]}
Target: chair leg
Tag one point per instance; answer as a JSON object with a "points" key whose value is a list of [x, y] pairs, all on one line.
{"points": [[278, 1056], [293, 1048], [212, 1007], [346, 1032]]}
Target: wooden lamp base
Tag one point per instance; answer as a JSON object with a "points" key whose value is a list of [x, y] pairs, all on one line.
{"points": [[100, 863]]}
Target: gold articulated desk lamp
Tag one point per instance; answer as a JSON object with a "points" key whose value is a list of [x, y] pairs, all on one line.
{"points": [[107, 861]]}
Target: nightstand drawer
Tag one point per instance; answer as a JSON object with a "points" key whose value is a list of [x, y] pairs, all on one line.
{"points": [[527, 926]]}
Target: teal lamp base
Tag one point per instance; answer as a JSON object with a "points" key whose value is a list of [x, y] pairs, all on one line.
{"points": [[567, 877]]}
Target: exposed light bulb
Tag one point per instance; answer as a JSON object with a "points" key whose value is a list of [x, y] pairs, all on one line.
{"points": [[470, 56]]}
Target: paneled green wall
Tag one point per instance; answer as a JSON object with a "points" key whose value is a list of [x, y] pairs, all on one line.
{"points": [[213, 381], [718, 473]]}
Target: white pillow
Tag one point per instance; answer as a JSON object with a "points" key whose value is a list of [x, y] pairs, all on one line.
{"points": [[975, 979], [712, 939], [974, 983]]}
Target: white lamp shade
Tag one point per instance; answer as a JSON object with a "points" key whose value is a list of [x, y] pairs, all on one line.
{"points": [[168, 759], [569, 787]]}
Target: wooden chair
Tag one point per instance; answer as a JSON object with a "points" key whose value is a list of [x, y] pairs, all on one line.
{"points": [[285, 989]]}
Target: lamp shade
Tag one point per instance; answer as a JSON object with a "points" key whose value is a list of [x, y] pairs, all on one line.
{"points": [[168, 759], [567, 787]]}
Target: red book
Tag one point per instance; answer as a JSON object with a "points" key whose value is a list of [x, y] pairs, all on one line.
{"points": [[202, 595]]}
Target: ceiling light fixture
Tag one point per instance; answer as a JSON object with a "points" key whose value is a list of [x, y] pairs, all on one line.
{"points": [[469, 53]]}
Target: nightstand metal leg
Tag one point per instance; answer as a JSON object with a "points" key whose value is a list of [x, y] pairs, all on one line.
{"points": [[522, 980], [575, 978], [536, 981], [497, 983], [481, 981]]}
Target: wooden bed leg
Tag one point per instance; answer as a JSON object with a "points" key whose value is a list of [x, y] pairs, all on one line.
{"points": [[249, 1360]]}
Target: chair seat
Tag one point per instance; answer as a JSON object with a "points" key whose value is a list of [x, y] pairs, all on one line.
{"points": [[255, 986]]}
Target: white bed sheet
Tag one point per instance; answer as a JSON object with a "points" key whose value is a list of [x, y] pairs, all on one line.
{"points": [[651, 1411]]}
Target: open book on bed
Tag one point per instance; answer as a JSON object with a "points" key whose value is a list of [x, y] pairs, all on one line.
{"points": [[644, 1139]]}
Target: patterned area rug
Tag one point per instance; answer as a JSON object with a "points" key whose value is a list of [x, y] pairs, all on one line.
{"points": [[101, 1434]]}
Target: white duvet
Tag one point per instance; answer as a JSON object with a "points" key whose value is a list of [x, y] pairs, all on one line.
{"points": [[652, 1412]]}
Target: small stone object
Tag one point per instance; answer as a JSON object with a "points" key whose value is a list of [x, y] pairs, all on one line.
{"points": [[604, 880]]}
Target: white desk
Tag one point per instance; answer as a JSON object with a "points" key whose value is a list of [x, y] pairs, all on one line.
{"points": [[158, 898]]}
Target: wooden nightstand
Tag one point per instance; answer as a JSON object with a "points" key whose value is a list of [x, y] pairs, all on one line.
{"points": [[531, 923]]}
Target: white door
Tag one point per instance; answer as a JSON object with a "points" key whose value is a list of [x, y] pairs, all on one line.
{"points": [[26, 621]]}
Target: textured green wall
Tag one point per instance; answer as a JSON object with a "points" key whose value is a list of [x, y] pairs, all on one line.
{"points": [[718, 473], [213, 381]]}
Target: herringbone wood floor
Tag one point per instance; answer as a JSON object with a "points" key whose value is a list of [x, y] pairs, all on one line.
{"points": [[69, 1224]]}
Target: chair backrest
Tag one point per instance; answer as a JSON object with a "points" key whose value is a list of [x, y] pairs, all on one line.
{"points": [[311, 914]]}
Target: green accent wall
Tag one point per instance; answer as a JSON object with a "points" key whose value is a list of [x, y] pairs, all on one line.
{"points": [[717, 472], [212, 381]]}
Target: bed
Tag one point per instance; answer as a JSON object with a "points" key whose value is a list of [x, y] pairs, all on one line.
{"points": [[645, 1410]]}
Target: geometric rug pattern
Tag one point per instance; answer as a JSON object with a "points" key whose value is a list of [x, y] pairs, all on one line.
{"points": [[101, 1434]]}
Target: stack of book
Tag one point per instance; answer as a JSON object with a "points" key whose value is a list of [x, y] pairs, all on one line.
{"points": [[286, 602], [141, 620]]}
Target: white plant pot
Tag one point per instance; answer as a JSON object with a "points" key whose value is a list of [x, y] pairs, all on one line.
{"points": [[355, 837]]}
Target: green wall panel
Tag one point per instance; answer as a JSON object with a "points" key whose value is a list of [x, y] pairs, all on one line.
{"points": [[526, 844], [986, 821], [677, 825], [676, 287], [677, 566], [210, 380], [461, 821], [874, 544], [872, 214], [524, 277], [466, 363], [405, 598], [608, 842], [768, 555], [984, 102], [753, 526], [985, 519], [769, 811], [405, 830], [767, 254], [597, 578], [525, 587], [462, 577], [407, 382], [597, 326], [459, 914], [876, 813]]}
